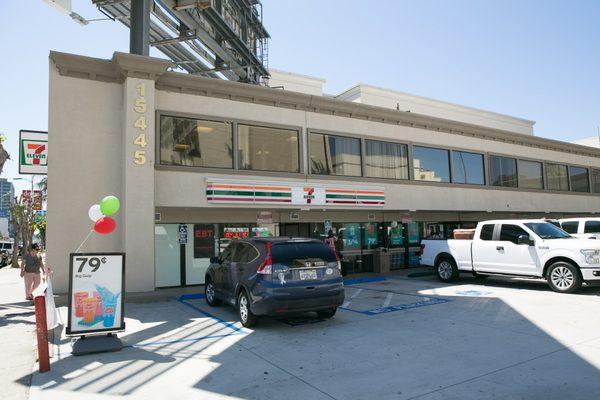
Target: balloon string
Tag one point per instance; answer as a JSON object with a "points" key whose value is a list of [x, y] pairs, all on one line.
{"points": [[84, 240]]}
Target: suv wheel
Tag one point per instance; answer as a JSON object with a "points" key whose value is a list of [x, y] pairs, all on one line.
{"points": [[326, 314], [246, 317], [564, 277], [446, 269], [209, 292]]}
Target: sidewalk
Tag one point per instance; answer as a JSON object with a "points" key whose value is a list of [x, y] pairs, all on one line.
{"points": [[17, 330]]}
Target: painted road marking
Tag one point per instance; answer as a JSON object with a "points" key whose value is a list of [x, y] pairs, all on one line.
{"points": [[356, 293], [388, 299]]}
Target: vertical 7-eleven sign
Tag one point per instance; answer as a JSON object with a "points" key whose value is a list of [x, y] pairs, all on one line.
{"points": [[33, 152]]}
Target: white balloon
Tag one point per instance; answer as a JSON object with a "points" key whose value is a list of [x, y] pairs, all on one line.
{"points": [[94, 212]]}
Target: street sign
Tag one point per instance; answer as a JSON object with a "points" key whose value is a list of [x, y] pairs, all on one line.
{"points": [[183, 234], [96, 288], [328, 226], [33, 152]]}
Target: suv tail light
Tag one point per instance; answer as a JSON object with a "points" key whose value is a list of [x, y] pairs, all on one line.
{"points": [[266, 267]]}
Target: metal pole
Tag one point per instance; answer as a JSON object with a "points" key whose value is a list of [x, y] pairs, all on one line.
{"points": [[139, 32], [42, 333]]}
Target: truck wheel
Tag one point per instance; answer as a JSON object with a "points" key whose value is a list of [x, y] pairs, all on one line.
{"points": [[446, 269], [210, 294], [564, 277]]}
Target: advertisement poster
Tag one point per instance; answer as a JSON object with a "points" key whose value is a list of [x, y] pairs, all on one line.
{"points": [[351, 236], [204, 241], [96, 287], [413, 232], [371, 234], [261, 231], [33, 152], [395, 234]]}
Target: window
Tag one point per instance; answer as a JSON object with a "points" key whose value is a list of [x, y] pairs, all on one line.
{"points": [[386, 160], [591, 227], [596, 180], [579, 179], [195, 143], [487, 232], [547, 230], [570, 226], [431, 164], [557, 177], [511, 233], [468, 168], [530, 174], [334, 155], [245, 253], [228, 252], [503, 171], [268, 149], [290, 253]]}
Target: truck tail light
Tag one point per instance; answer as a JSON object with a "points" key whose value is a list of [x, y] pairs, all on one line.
{"points": [[266, 267]]}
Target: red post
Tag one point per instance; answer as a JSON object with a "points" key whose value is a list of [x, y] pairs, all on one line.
{"points": [[42, 333]]}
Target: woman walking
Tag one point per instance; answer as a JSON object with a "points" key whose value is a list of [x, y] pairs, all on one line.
{"points": [[31, 267]]}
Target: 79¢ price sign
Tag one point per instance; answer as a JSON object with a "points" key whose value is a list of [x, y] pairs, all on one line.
{"points": [[96, 288]]}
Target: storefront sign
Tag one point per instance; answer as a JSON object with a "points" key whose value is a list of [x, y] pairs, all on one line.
{"points": [[264, 217], [236, 232], [232, 191], [183, 234], [96, 287], [33, 152], [351, 236], [261, 232], [371, 234], [204, 241]]}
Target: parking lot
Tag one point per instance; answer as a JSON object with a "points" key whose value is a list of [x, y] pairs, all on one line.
{"points": [[398, 338]]}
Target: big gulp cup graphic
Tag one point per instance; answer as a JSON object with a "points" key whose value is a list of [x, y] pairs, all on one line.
{"points": [[89, 309], [98, 304], [109, 313], [79, 296]]}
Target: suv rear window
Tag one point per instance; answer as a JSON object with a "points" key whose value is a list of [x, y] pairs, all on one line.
{"points": [[286, 253], [570, 226]]}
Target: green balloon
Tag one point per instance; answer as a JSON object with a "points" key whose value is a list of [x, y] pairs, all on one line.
{"points": [[109, 205]]}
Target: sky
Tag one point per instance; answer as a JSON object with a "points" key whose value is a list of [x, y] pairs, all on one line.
{"points": [[537, 60]]}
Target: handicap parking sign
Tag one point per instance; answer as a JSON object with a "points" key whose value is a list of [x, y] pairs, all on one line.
{"points": [[183, 232]]}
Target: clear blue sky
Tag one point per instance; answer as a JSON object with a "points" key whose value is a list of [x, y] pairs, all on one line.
{"points": [[538, 60]]}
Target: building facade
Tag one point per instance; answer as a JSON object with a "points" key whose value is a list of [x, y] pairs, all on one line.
{"points": [[198, 162]]}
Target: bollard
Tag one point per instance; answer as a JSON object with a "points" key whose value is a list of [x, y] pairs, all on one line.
{"points": [[42, 333]]}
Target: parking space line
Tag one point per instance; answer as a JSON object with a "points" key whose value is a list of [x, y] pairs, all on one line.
{"points": [[388, 299], [356, 293]]}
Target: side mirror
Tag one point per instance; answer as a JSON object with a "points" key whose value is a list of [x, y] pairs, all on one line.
{"points": [[214, 260], [525, 239]]}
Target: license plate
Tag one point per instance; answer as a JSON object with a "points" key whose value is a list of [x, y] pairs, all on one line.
{"points": [[306, 274]]}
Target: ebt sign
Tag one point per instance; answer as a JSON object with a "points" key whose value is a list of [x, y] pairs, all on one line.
{"points": [[33, 152]]}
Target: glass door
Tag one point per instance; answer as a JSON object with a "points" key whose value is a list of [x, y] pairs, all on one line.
{"points": [[167, 255]]}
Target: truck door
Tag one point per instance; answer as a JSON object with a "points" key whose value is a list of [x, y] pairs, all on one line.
{"points": [[504, 255], [484, 248]]}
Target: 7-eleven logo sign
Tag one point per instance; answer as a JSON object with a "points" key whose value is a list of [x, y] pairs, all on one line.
{"points": [[309, 194], [36, 153]]}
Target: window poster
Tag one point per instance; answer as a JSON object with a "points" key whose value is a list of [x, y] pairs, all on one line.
{"points": [[204, 240]]}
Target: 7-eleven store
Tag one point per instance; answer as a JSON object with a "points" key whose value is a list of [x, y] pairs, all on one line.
{"points": [[239, 208]]}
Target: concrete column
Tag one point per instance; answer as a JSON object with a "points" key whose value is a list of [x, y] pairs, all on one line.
{"points": [[138, 183]]}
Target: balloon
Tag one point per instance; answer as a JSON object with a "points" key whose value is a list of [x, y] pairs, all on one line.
{"points": [[94, 212], [105, 225], [109, 205]]}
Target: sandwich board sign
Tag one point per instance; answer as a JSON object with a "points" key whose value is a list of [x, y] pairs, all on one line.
{"points": [[96, 289], [33, 152]]}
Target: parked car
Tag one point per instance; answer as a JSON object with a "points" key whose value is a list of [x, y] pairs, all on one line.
{"points": [[519, 248], [6, 246], [585, 228], [275, 276]]}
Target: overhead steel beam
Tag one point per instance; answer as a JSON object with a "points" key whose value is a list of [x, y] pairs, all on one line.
{"points": [[139, 32]]}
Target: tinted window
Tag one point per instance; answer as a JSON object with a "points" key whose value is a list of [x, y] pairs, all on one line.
{"points": [[386, 160], [334, 155], [579, 179], [503, 171], [570, 226], [245, 253], [468, 168], [557, 177], [286, 253], [530, 174], [592, 227], [431, 164], [511, 233], [596, 180], [228, 252], [487, 232], [268, 149], [547, 230], [197, 143]]}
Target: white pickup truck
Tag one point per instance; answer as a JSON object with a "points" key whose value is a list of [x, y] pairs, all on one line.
{"points": [[518, 248], [583, 228]]}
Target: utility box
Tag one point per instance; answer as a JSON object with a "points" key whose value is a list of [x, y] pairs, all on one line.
{"points": [[381, 261]]}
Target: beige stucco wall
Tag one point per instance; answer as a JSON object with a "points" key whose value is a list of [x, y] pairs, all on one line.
{"points": [[85, 129]]}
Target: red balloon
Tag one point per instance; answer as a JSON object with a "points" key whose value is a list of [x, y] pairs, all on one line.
{"points": [[105, 225]]}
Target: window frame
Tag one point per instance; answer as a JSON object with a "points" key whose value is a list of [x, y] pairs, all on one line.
{"points": [[361, 149], [589, 183], [483, 165], [206, 119], [543, 173], [364, 159], [238, 155], [547, 179], [489, 168], [508, 224], [448, 150]]}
